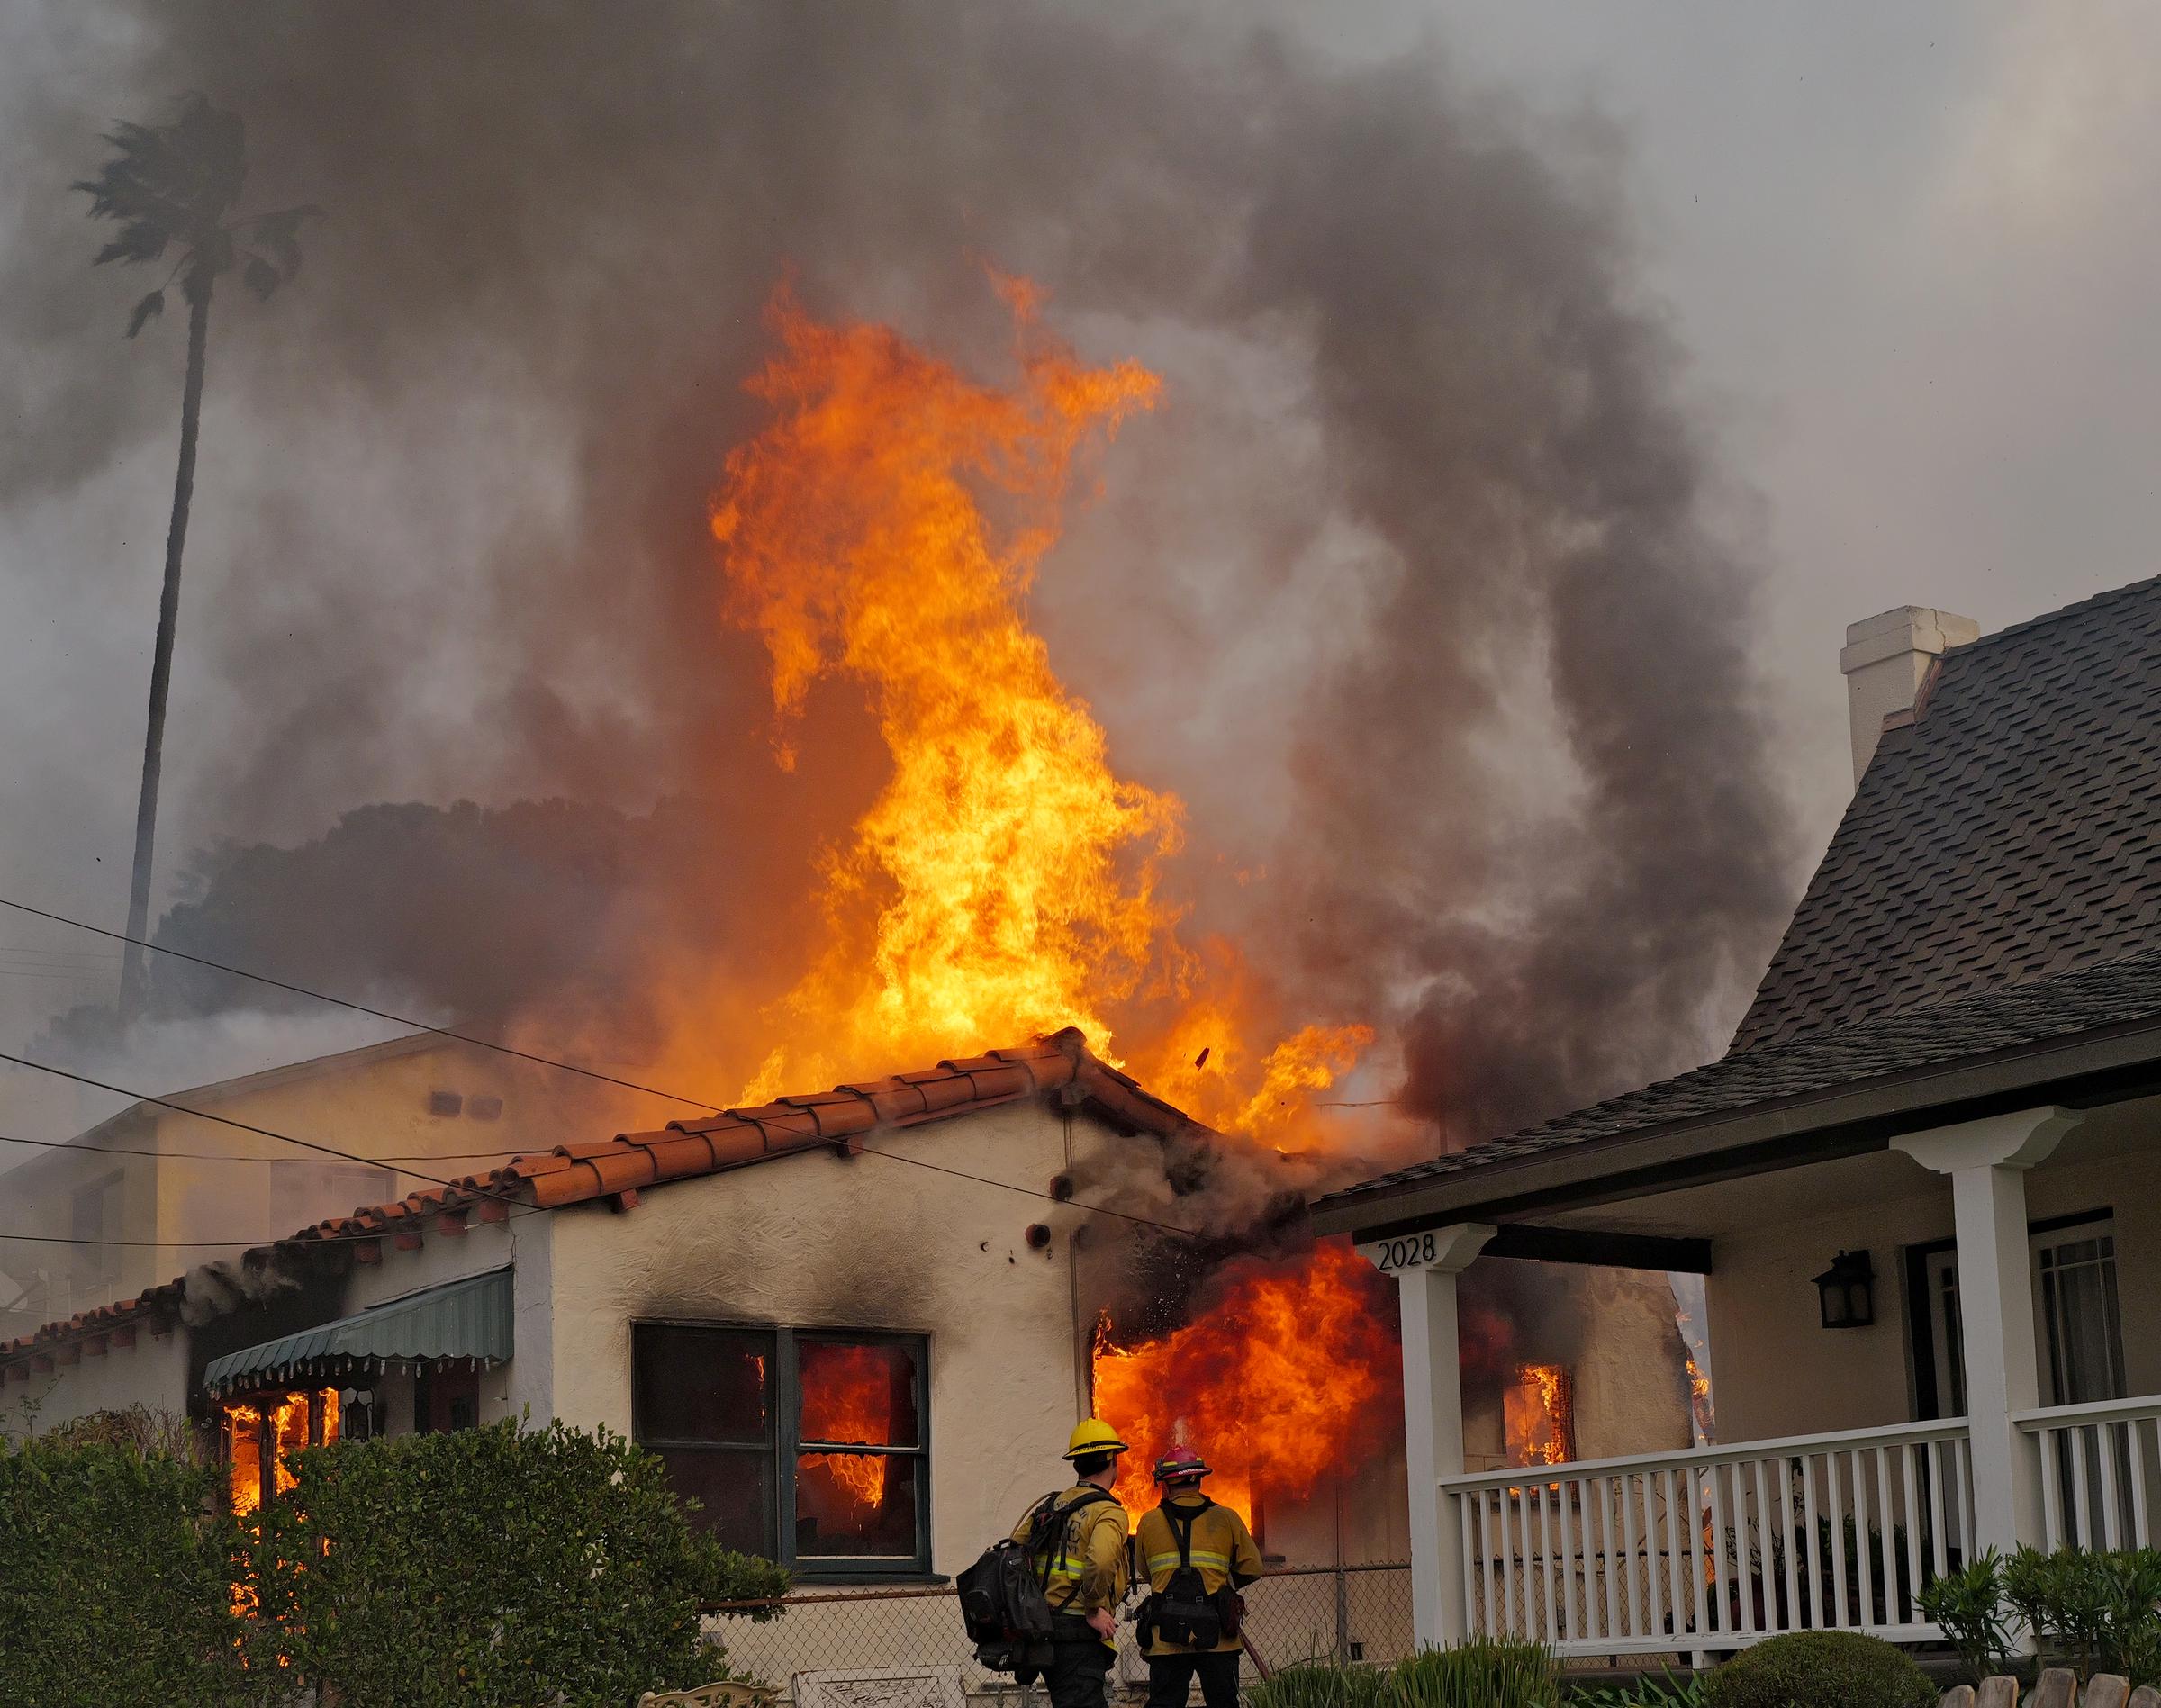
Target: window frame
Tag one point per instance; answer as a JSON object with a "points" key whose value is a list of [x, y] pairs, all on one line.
{"points": [[784, 1443]]}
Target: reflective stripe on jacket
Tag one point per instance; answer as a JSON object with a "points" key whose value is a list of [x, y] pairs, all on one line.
{"points": [[1223, 1548], [1088, 1567]]}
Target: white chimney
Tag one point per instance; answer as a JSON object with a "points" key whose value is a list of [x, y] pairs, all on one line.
{"points": [[1885, 660]]}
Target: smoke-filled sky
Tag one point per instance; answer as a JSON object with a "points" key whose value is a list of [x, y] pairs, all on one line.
{"points": [[1545, 387]]}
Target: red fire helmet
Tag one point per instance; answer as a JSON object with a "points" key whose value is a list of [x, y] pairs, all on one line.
{"points": [[1181, 1465]]}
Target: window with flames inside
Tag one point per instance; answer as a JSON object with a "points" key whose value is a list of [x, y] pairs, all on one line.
{"points": [[260, 1434], [807, 1448]]}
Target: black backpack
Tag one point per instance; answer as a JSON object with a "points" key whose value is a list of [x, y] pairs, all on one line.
{"points": [[1182, 1612], [1004, 1602]]}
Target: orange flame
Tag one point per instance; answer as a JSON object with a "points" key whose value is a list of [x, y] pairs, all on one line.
{"points": [[1537, 1414], [284, 1430], [1002, 882], [243, 1459], [848, 1397], [1284, 1377], [882, 532], [1700, 1411]]}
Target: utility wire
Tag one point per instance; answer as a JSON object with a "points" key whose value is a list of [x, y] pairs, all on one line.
{"points": [[1029, 1191], [244, 1156], [525, 1056], [205, 1115], [362, 1008]]}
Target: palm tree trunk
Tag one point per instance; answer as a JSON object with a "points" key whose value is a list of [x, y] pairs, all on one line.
{"points": [[161, 666]]}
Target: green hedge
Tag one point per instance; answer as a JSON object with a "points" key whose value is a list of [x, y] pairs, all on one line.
{"points": [[113, 1580], [489, 1567], [1820, 1669], [492, 1566]]}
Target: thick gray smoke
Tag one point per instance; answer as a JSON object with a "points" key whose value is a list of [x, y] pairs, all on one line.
{"points": [[1412, 588]]}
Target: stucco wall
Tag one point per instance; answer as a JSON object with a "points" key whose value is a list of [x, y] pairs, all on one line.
{"points": [[521, 1243], [151, 1373], [1779, 1372], [868, 1242]]}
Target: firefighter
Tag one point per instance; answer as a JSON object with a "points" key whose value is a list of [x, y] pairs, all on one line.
{"points": [[1088, 1567], [1189, 1625]]}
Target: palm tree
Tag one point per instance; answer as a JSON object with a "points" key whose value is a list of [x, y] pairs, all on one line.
{"points": [[172, 188]]}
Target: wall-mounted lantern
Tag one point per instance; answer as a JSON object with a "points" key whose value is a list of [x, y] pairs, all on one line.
{"points": [[1847, 1292]]}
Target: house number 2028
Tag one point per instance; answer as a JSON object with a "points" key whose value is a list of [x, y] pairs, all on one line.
{"points": [[1400, 1255]]}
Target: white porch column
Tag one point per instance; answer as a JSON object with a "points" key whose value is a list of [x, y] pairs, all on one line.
{"points": [[1425, 1266], [1986, 1161]]}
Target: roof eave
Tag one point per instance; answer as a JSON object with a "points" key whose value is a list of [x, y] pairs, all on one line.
{"points": [[1869, 1113]]}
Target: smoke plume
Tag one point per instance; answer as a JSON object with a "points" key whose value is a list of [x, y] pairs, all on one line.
{"points": [[1414, 588]]}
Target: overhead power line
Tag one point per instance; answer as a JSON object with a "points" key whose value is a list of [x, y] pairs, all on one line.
{"points": [[250, 1156], [361, 1008], [205, 1115], [707, 1104]]}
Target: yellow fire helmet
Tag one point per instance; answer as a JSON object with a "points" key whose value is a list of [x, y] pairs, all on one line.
{"points": [[1093, 1435]]}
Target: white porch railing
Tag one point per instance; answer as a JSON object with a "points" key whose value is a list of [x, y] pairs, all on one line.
{"points": [[2099, 1472], [1717, 1548]]}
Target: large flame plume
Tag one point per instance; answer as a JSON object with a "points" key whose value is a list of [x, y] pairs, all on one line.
{"points": [[1001, 883], [884, 530]]}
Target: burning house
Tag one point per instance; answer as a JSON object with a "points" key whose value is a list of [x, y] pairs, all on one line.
{"points": [[857, 1321]]}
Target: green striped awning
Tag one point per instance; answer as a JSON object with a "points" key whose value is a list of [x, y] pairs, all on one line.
{"points": [[463, 1319]]}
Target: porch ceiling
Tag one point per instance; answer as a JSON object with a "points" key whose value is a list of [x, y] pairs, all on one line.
{"points": [[1724, 1207], [1711, 1209]]}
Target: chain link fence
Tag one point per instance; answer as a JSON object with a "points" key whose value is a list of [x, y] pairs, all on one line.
{"points": [[856, 1637]]}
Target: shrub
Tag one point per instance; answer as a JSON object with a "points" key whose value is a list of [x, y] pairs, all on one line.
{"points": [[491, 1566], [113, 1580], [1820, 1669], [1479, 1673], [1968, 1605], [2097, 1610]]}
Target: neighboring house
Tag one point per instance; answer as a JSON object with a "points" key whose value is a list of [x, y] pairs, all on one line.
{"points": [[409, 1111], [1921, 1185]]}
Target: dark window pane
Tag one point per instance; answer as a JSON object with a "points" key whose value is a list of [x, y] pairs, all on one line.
{"points": [[701, 1384], [859, 1393], [734, 1489], [856, 1505]]}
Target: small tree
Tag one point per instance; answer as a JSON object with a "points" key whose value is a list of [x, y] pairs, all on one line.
{"points": [[172, 188]]}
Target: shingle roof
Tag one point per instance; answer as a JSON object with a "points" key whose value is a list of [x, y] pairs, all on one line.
{"points": [[2012, 831], [1995, 882], [2122, 992], [838, 1120]]}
